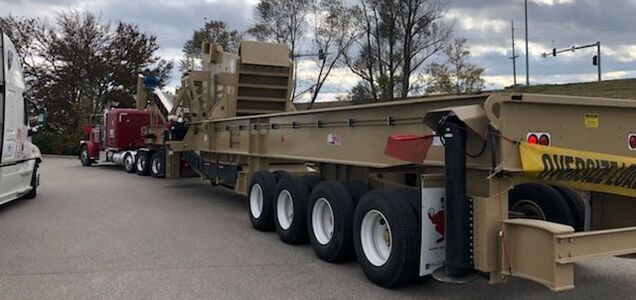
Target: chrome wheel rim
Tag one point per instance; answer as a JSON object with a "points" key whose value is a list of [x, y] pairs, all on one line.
{"points": [[141, 163], [156, 166], [128, 162]]}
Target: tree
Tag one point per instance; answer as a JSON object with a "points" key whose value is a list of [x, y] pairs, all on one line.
{"points": [[283, 22], [80, 64], [333, 35], [424, 35], [456, 75], [398, 37], [24, 32], [217, 32]]}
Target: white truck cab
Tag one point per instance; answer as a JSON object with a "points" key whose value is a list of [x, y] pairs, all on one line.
{"points": [[19, 158]]}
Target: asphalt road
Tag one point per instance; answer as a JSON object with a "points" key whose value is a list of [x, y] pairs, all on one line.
{"points": [[99, 233]]}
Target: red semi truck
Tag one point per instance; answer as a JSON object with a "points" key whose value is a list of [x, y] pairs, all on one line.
{"points": [[118, 139]]}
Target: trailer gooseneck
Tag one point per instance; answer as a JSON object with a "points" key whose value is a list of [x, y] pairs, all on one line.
{"points": [[451, 187]]}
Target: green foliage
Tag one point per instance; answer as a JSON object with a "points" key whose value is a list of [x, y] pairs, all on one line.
{"points": [[456, 75], [78, 65], [216, 32]]}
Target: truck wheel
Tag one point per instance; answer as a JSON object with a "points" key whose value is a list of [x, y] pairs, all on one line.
{"points": [[157, 165], [85, 157], [290, 209], [412, 196], [357, 189], [129, 163], [577, 207], [280, 173], [386, 238], [540, 201], [34, 184], [312, 180], [261, 200], [330, 221], [142, 165]]}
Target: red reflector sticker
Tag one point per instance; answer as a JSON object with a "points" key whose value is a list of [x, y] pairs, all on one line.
{"points": [[409, 148], [544, 140], [533, 139]]}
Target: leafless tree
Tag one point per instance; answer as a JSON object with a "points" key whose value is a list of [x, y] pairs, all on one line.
{"points": [[282, 21], [398, 37], [333, 36]]}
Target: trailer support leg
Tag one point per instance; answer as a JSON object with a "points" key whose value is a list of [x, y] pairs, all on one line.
{"points": [[458, 267]]}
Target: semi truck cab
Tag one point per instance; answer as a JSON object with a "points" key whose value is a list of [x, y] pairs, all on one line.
{"points": [[19, 158]]}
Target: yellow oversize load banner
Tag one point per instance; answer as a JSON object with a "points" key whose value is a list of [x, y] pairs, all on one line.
{"points": [[580, 169]]}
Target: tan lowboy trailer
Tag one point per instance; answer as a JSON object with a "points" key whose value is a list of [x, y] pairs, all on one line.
{"points": [[495, 184]]}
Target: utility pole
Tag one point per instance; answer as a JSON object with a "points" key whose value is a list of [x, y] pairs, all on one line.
{"points": [[598, 61], [514, 55], [527, 49]]}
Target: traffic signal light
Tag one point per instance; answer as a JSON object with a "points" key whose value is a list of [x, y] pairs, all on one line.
{"points": [[595, 60], [554, 52]]}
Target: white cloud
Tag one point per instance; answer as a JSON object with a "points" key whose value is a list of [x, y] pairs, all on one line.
{"points": [[623, 53], [486, 50], [467, 20], [553, 2]]}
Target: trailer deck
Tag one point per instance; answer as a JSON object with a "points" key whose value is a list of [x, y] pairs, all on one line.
{"points": [[463, 177]]}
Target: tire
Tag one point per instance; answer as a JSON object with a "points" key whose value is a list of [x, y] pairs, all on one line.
{"points": [[356, 189], [34, 184], [129, 163], [85, 157], [312, 180], [540, 201], [394, 263], [262, 211], [413, 196], [141, 163], [158, 165], [280, 173], [577, 207], [330, 221], [290, 210]]}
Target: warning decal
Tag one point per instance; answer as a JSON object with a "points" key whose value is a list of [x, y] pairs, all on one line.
{"points": [[592, 120], [580, 169]]}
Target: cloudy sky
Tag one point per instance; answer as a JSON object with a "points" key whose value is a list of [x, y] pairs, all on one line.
{"points": [[485, 23]]}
